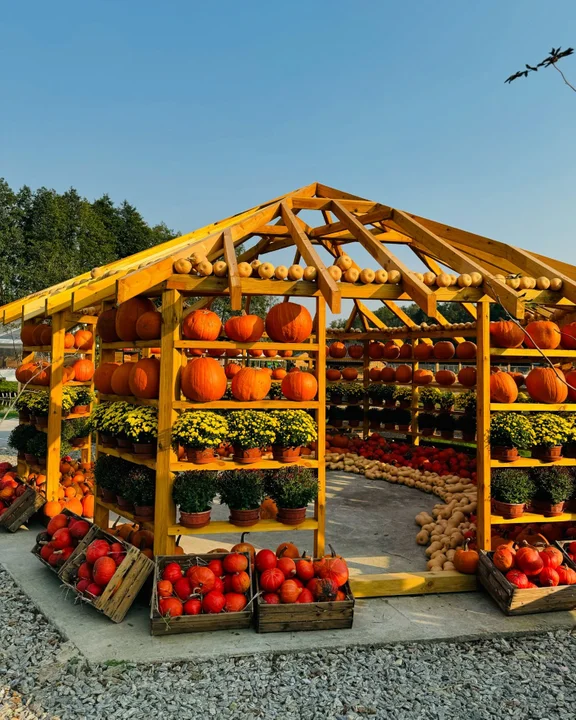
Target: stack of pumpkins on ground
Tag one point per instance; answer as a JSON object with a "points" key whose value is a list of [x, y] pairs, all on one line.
{"points": [[75, 491], [38, 372], [204, 379], [139, 537], [449, 526], [544, 384]]}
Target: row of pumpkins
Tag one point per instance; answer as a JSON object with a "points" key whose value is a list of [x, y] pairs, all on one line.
{"points": [[542, 334], [40, 334], [393, 350], [39, 372]]}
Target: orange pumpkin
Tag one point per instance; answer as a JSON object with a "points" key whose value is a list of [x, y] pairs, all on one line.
{"points": [[375, 350], [406, 351], [388, 374], [466, 350], [27, 334], [255, 353], [506, 334], [285, 353], [127, 316], [546, 385], [571, 380], [333, 374], [203, 380], [232, 369], [41, 374], [337, 350], [120, 380], [467, 376], [24, 372], [288, 322], [68, 340], [444, 350], [423, 377], [251, 384], [356, 351], [268, 509], [543, 334], [391, 351], [503, 389], [73, 504], [106, 326], [519, 378], [201, 325], [68, 373], [46, 335], [375, 374], [445, 377], [149, 325], [423, 351], [466, 561], [568, 336], [103, 377], [299, 386], [52, 508], [349, 373], [83, 339], [279, 373], [83, 370], [287, 550], [270, 353], [144, 378], [404, 373], [244, 328], [37, 334]]}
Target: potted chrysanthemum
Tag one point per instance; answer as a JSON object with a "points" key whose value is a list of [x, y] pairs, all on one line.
{"points": [[141, 427], [554, 485], [199, 432], [139, 488], [251, 431], [243, 492], [194, 492], [510, 432], [551, 432], [295, 428], [292, 489], [107, 473], [429, 396], [510, 490]]}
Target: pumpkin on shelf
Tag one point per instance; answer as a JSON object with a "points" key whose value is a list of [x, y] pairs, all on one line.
{"points": [[423, 377], [27, 334], [466, 350], [571, 380], [251, 384], [149, 325], [127, 316], [542, 334], [203, 380], [103, 377], [83, 339], [467, 376], [106, 326], [356, 351], [445, 377], [299, 386], [332, 374], [568, 336], [349, 373], [405, 351], [388, 374], [244, 328], [374, 374], [503, 389], [375, 350], [83, 370], [546, 385], [120, 379], [144, 378], [288, 322], [337, 350], [391, 351], [231, 369], [403, 374], [201, 325], [444, 350], [278, 373], [68, 341], [518, 378], [506, 334], [270, 353], [423, 351]]}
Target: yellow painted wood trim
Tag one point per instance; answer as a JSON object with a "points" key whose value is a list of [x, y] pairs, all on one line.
{"points": [[424, 583], [483, 426], [55, 408]]}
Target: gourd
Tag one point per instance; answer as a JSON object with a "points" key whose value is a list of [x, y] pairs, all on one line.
{"points": [[394, 277], [310, 273], [351, 275], [244, 270], [429, 278], [204, 268], [477, 279], [542, 283], [295, 272], [281, 272], [266, 271], [381, 277], [443, 280], [344, 262], [182, 266], [220, 268], [335, 272], [464, 280], [367, 276]]}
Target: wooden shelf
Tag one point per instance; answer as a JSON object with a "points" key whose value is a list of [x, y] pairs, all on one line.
{"points": [[523, 353], [220, 527], [533, 462], [130, 345], [528, 407], [127, 398], [123, 513], [76, 416], [67, 351], [130, 457], [229, 345], [532, 518], [87, 383], [229, 464], [255, 405], [402, 335]]}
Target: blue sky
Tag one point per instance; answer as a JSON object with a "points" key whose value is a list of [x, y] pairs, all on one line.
{"points": [[194, 111]]}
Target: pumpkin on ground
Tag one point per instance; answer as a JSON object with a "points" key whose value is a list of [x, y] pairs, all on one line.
{"points": [[201, 325], [299, 386], [149, 325], [506, 334], [251, 384], [543, 334], [466, 561], [337, 350], [467, 376], [120, 380], [244, 328], [288, 322], [127, 316], [503, 389], [106, 326], [203, 380], [103, 377], [144, 378], [546, 385]]}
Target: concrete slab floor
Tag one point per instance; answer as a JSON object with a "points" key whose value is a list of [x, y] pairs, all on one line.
{"points": [[381, 537]]}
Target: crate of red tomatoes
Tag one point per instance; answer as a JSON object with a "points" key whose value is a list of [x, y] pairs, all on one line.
{"points": [[296, 592], [201, 593], [55, 545], [106, 572], [18, 501], [529, 578]]}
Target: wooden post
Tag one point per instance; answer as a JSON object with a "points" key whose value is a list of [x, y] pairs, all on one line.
{"points": [[55, 409], [483, 522], [320, 505], [366, 383], [415, 399], [170, 364]]}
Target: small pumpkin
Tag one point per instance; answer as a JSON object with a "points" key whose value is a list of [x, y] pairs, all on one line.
{"points": [[423, 377], [83, 339], [374, 374], [349, 373], [519, 378], [278, 373], [546, 385], [83, 370], [568, 336], [203, 380], [250, 384], [356, 351], [201, 325], [333, 375], [375, 350], [405, 351], [466, 561], [391, 351], [503, 389], [388, 374], [543, 334], [571, 380]]}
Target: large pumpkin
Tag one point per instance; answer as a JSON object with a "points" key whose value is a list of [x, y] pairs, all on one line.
{"points": [[568, 336], [466, 350], [423, 351], [356, 351], [203, 380], [444, 350], [299, 386], [467, 376], [106, 326], [375, 350], [127, 316], [149, 325], [24, 372], [337, 350], [144, 378], [546, 385], [391, 350], [332, 374], [83, 370], [423, 377], [506, 334], [503, 389], [40, 374], [46, 335], [27, 334], [103, 377], [349, 373], [251, 384], [244, 328], [388, 374], [543, 334], [445, 377], [83, 339], [120, 380], [37, 334], [404, 373], [571, 380], [288, 322], [405, 351], [201, 325], [374, 374]]}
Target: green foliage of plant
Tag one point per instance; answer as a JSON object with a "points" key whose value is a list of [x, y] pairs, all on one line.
{"points": [[82, 396], [375, 415], [8, 385], [241, 489], [38, 445], [553, 484], [426, 421], [199, 429], [402, 394], [445, 422], [512, 485], [79, 427], [194, 490], [39, 403], [429, 395], [466, 401], [376, 391], [549, 429], [354, 392], [251, 428], [275, 392], [402, 417], [23, 401], [20, 436], [511, 430], [139, 485], [336, 413], [446, 400], [466, 423], [387, 392], [68, 399], [141, 424], [335, 390], [109, 470], [292, 486], [295, 428]]}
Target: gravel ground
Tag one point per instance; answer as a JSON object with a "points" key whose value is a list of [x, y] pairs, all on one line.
{"points": [[43, 676]]}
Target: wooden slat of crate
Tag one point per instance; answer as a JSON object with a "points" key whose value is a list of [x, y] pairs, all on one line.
{"points": [[125, 584], [22, 509], [37, 547], [514, 601], [195, 623]]}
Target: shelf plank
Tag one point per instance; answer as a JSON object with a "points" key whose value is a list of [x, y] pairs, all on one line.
{"points": [[126, 398], [123, 513], [130, 457], [532, 518], [253, 405], [533, 462], [229, 345], [67, 351], [528, 407], [531, 353], [229, 464], [130, 345], [220, 527]]}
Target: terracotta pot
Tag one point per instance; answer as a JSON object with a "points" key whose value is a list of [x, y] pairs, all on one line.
{"points": [[41, 421], [30, 459], [108, 496], [79, 441], [123, 503], [286, 454], [507, 510], [143, 513], [427, 431], [546, 508], [23, 416], [81, 409], [429, 406], [469, 437], [108, 440], [504, 454], [569, 450], [291, 516], [33, 419], [547, 454], [195, 520], [200, 457], [246, 456], [145, 450], [124, 443], [447, 434], [244, 518]]}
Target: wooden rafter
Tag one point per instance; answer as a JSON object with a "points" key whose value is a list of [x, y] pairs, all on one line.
{"points": [[234, 284], [369, 315], [351, 318], [334, 227]]}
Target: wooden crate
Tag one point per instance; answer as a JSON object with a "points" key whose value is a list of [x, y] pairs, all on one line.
{"points": [[125, 584], [37, 547], [196, 623], [22, 508], [514, 601], [305, 616]]}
